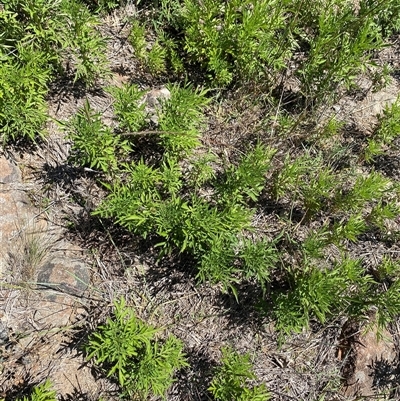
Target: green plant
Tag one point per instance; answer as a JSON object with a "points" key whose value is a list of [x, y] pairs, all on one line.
{"points": [[181, 118], [340, 50], [247, 180], [127, 348], [237, 39], [350, 229], [60, 29], [382, 212], [259, 258], [314, 244], [42, 392], [38, 23], [128, 107], [156, 58], [231, 379], [137, 38], [365, 189], [94, 144], [317, 189], [101, 6], [288, 178], [201, 170], [388, 130], [320, 293], [84, 47], [23, 87]]}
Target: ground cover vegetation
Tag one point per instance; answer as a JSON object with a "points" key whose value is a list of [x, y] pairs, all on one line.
{"points": [[284, 210]]}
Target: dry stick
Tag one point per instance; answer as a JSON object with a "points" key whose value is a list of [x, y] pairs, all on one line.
{"points": [[151, 132]]}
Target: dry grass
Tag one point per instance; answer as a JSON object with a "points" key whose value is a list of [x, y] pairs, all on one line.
{"points": [[31, 248]]}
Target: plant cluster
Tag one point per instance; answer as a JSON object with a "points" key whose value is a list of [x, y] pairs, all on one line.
{"points": [[247, 41], [39, 41], [164, 184], [41, 392], [127, 348], [231, 379], [185, 206]]}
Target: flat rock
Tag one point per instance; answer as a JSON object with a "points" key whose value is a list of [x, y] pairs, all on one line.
{"points": [[376, 366], [9, 173], [64, 275]]}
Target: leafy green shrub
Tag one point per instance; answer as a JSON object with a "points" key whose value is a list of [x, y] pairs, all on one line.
{"points": [[60, 29], [127, 349], [365, 189], [317, 293], [246, 180], [231, 379], [181, 118], [388, 130], [137, 38], [383, 211], [37, 23], [348, 229], [94, 144], [23, 87], [236, 39], [130, 113], [42, 392], [150, 201], [104, 5], [340, 50], [84, 47]]}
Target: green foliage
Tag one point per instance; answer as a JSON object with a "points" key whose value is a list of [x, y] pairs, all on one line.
{"points": [[181, 118], [94, 144], [158, 54], [387, 271], [350, 229], [288, 178], [317, 293], [317, 189], [23, 87], [150, 201], [37, 23], [202, 170], [366, 188], [382, 212], [236, 39], [306, 179], [101, 6], [230, 381], [388, 130], [217, 265], [247, 180], [340, 50], [137, 38], [127, 107], [127, 348], [156, 58], [62, 29], [314, 244], [387, 305], [84, 47], [386, 14], [154, 372], [259, 258], [42, 392]]}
